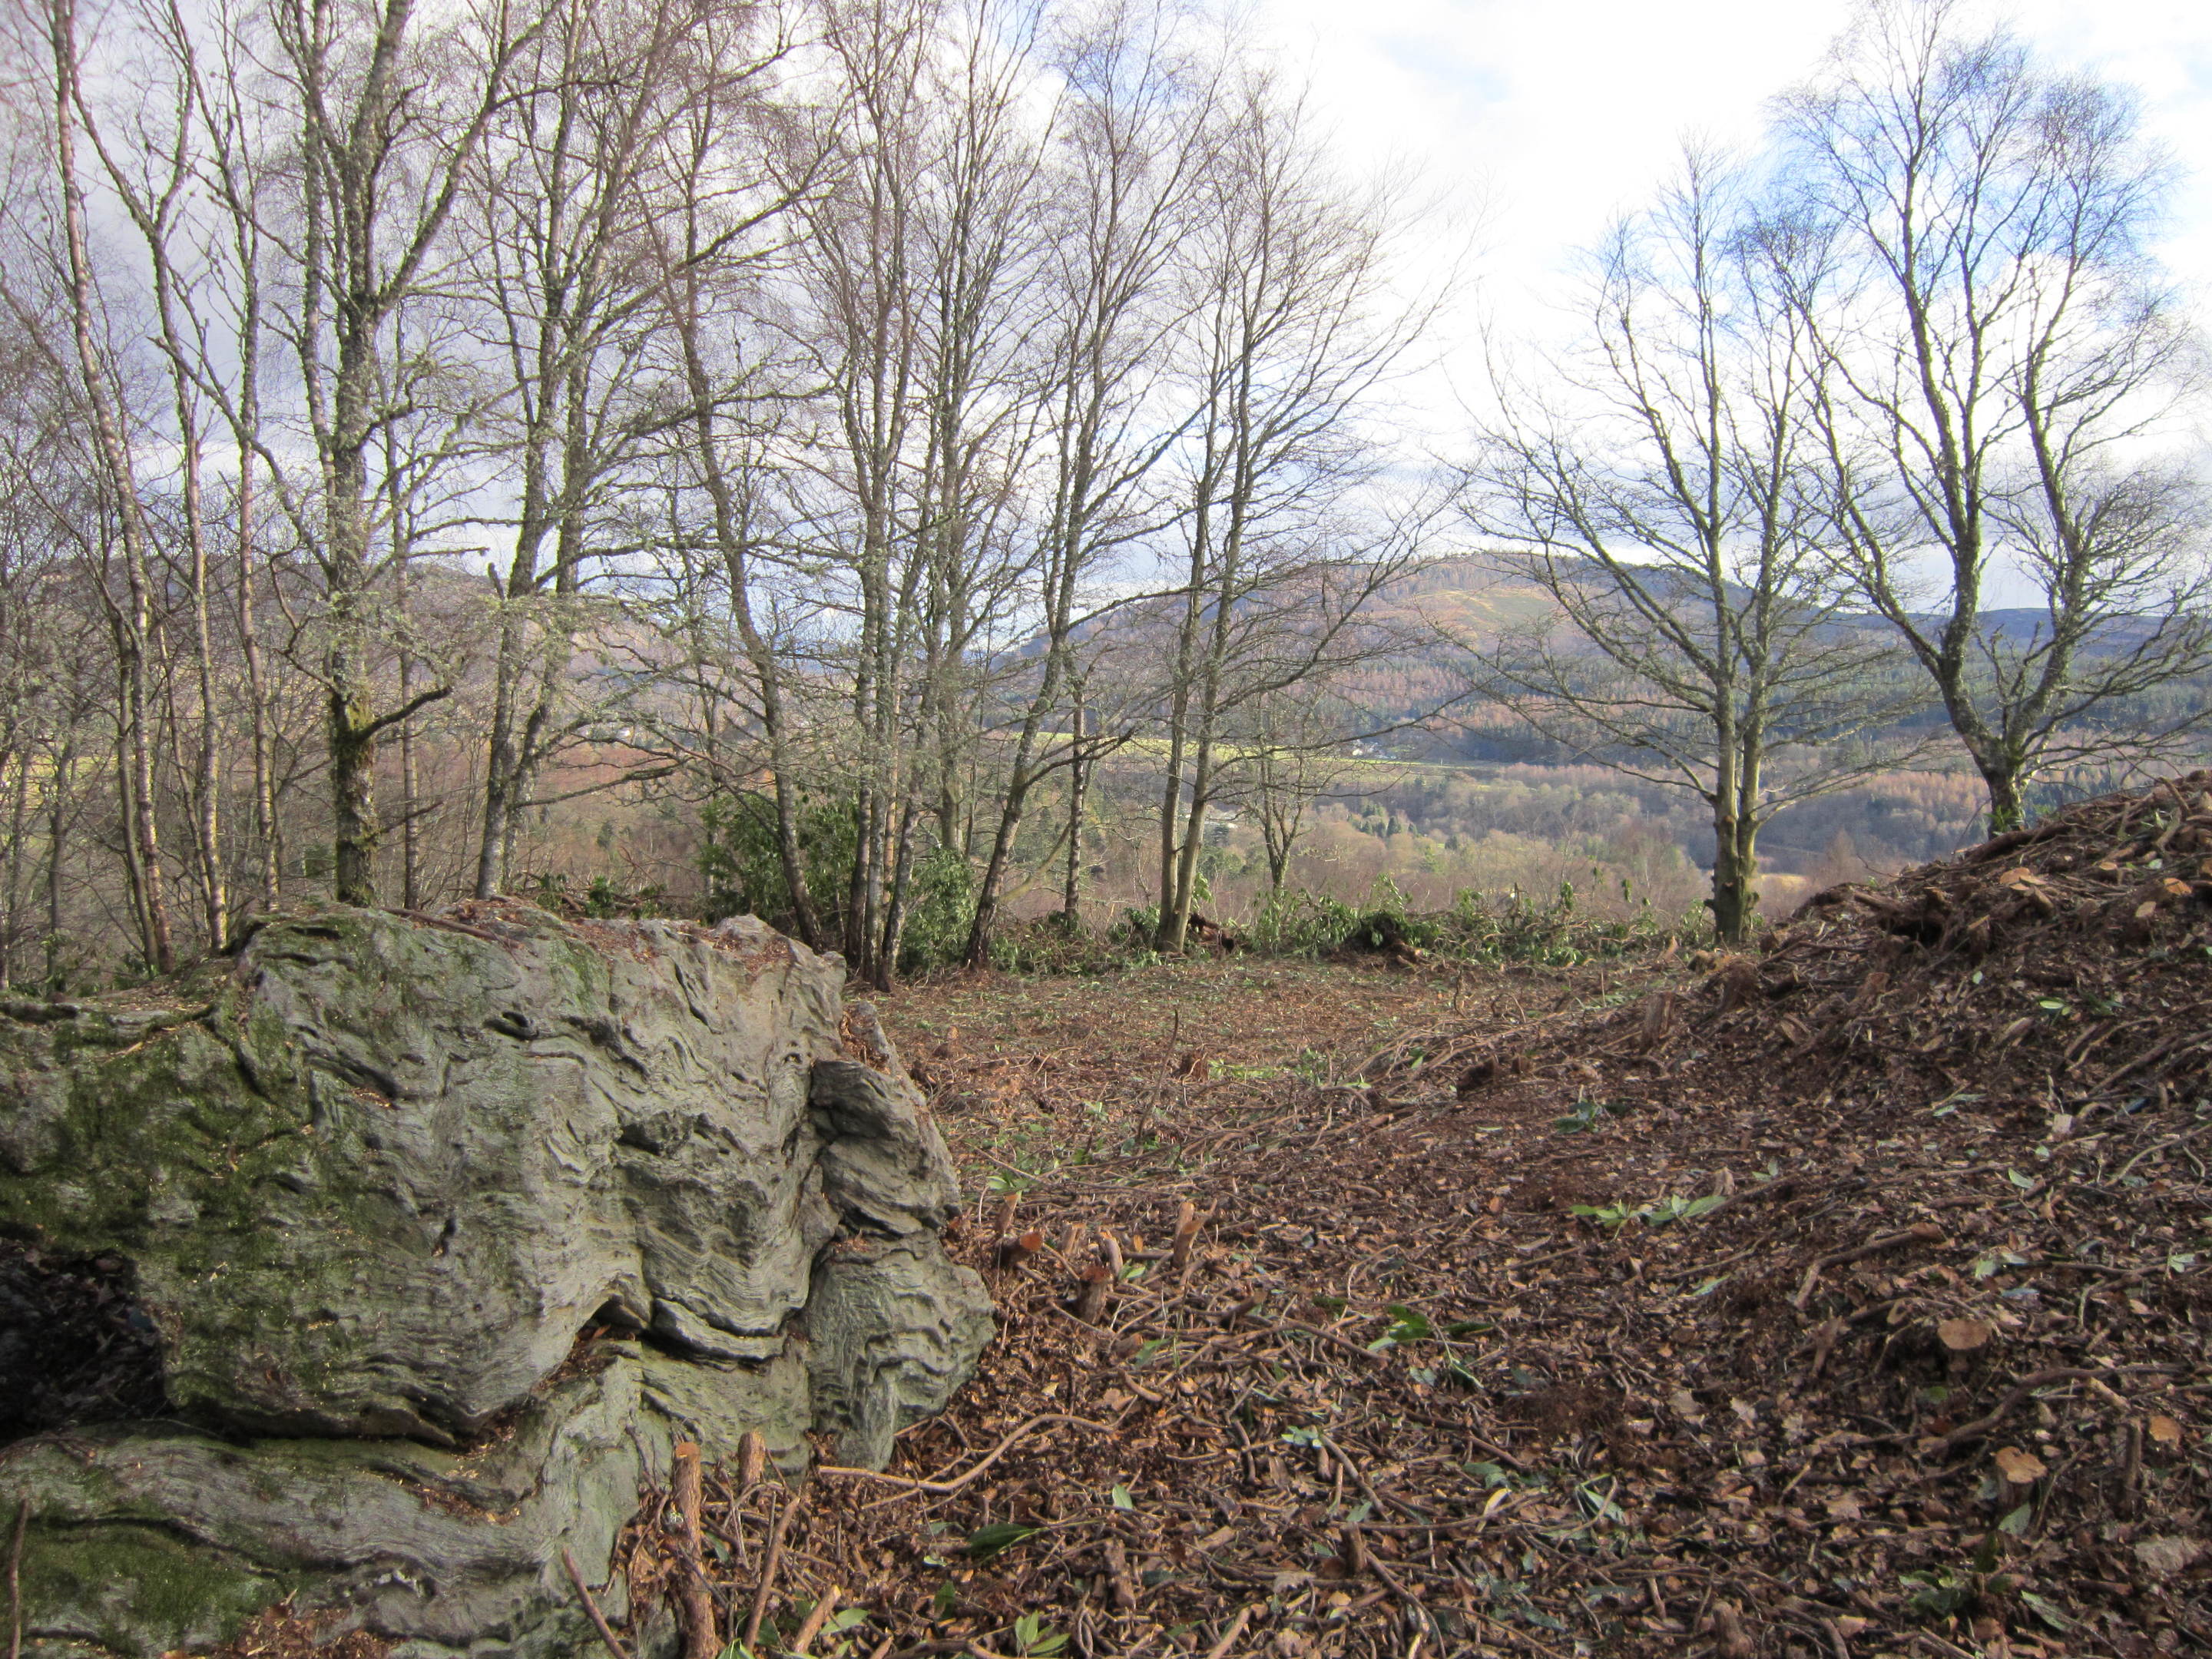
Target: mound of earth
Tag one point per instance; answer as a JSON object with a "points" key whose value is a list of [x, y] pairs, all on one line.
{"points": [[2060, 970], [374, 1270], [1846, 1299]]}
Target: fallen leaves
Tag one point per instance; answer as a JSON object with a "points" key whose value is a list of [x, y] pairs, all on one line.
{"points": [[1964, 1335], [1551, 1435], [2168, 1557]]}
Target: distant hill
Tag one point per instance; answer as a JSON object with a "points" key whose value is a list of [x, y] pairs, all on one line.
{"points": [[1475, 597]]}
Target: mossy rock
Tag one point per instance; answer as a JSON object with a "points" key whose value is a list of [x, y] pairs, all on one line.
{"points": [[150, 1539], [446, 1229], [378, 1179]]}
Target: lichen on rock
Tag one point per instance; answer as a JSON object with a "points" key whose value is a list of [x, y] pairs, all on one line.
{"points": [[374, 1178]]}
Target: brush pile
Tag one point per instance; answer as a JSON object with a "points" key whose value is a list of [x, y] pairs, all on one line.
{"points": [[1846, 1299], [2066, 968]]}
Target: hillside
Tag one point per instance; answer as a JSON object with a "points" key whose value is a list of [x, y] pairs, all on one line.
{"points": [[1849, 1298]]}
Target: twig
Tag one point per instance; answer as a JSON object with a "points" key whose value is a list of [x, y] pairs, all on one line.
{"points": [[1331, 1337], [824, 1605], [1397, 1588], [959, 1481], [768, 1567], [1922, 1232], [1373, 1497], [1221, 1649], [2027, 1385], [2158, 1146], [591, 1608]]}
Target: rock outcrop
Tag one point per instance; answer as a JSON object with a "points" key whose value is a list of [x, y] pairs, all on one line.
{"points": [[441, 1230]]}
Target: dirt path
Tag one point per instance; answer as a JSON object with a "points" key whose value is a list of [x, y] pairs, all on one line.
{"points": [[1518, 1326]]}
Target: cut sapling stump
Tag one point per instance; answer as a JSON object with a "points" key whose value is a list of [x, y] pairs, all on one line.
{"points": [[1125, 1582], [696, 1601], [752, 1460], [1185, 1235], [1091, 1301], [1014, 1252]]}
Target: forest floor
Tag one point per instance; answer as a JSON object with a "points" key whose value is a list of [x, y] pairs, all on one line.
{"points": [[1844, 1298]]}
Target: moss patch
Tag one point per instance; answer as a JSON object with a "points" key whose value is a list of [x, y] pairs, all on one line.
{"points": [[137, 1591]]}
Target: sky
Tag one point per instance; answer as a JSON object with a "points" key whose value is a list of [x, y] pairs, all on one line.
{"points": [[1540, 120]]}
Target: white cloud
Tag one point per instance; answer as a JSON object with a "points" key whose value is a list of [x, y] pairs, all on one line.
{"points": [[1556, 116]]}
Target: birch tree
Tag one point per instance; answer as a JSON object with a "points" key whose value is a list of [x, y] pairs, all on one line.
{"points": [[2003, 372], [576, 270], [1135, 124], [1293, 333]]}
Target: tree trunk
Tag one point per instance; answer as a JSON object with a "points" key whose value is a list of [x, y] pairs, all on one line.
{"points": [[500, 766], [1736, 871], [1019, 782], [1071, 897], [1070, 900], [353, 829], [2008, 810], [790, 849], [349, 687], [207, 807], [57, 834], [410, 837], [885, 970], [1175, 922], [257, 692], [18, 826]]}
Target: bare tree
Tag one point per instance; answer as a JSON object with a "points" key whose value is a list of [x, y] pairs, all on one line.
{"points": [[152, 174], [980, 241], [576, 266], [2001, 369], [1662, 488], [1135, 129], [859, 268], [390, 115], [738, 396], [99, 382], [1293, 749], [1294, 332]]}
